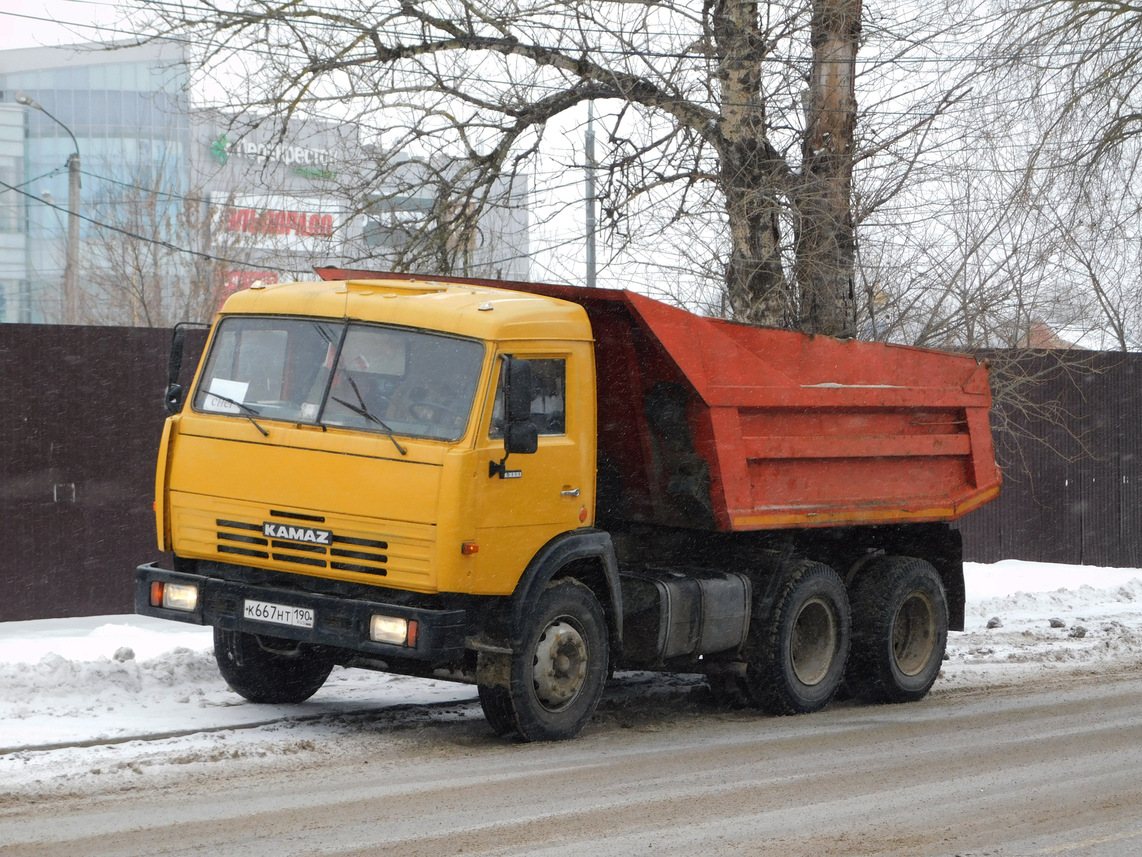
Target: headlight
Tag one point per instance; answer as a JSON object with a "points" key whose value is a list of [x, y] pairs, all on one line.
{"points": [[174, 596], [390, 629]]}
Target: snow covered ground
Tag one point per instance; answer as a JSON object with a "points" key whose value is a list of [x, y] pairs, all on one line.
{"points": [[1028, 619], [78, 694]]}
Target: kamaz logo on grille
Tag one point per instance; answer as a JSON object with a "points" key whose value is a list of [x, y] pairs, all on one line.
{"points": [[296, 534]]}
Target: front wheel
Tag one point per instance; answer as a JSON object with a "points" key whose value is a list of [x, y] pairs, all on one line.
{"points": [[270, 670], [798, 641], [556, 676], [900, 630]]}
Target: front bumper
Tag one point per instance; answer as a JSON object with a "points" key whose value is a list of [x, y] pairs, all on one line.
{"points": [[339, 622]]}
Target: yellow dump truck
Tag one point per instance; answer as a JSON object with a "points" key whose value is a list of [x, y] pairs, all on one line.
{"points": [[526, 487]]}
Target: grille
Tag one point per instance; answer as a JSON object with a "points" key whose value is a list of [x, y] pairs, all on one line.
{"points": [[345, 553]]}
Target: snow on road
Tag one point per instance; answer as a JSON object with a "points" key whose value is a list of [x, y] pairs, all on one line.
{"points": [[74, 681], [72, 689]]}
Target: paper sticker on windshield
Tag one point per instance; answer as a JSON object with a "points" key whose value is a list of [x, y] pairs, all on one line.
{"points": [[224, 389]]}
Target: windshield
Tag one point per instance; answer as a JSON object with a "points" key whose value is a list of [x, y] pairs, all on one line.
{"points": [[370, 377]]}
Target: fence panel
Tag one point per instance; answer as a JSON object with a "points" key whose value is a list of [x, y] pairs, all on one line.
{"points": [[81, 415], [1072, 495], [80, 419]]}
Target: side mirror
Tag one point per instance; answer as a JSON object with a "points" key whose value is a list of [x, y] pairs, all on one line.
{"points": [[521, 437], [172, 399]]}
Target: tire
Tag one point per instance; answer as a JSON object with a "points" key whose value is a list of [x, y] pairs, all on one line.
{"points": [[798, 642], [291, 672], [559, 670], [900, 630]]}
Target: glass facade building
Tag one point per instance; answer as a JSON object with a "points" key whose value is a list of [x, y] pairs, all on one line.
{"points": [[127, 110], [180, 207], [13, 239]]}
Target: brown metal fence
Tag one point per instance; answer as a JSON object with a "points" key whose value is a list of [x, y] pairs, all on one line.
{"points": [[81, 415], [1072, 485], [80, 419]]}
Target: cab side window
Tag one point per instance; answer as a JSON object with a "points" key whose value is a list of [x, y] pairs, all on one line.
{"points": [[548, 398]]}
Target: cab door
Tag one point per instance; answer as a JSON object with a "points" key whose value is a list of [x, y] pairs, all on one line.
{"points": [[534, 497]]}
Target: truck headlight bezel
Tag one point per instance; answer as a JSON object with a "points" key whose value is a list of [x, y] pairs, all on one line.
{"points": [[394, 630], [174, 596]]}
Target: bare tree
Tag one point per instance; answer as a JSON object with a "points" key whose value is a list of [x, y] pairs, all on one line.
{"points": [[155, 256], [1080, 62], [979, 268], [1059, 88], [750, 104]]}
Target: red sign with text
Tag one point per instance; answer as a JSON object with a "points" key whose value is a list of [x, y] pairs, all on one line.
{"points": [[279, 222]]}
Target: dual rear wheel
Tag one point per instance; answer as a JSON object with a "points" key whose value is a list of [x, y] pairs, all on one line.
{"points": [[900, 630], [884, 638], [798, 642]]}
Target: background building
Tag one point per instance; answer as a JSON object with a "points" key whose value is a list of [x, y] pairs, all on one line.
{"points": [[14, 283], [178, 209], [129, 116]]}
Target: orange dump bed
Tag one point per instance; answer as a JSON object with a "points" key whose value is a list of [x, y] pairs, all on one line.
{"points": [[708, 423], [704, 423]]}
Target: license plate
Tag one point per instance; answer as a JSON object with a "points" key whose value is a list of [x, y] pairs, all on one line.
{"points": [[278, 614]]}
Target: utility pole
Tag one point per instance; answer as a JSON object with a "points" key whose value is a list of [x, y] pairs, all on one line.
{"points": [[71, 263], [590, 147], [71, 266]]}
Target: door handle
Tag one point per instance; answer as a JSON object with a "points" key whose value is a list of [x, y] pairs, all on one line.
{"points": [[569, 492]]}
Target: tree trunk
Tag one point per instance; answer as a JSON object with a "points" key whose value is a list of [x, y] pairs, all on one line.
{"points": [[824, 241], [751, 171]]}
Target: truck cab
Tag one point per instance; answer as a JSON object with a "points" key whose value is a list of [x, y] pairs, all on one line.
{"points": [[386, 431], [364, 471]]}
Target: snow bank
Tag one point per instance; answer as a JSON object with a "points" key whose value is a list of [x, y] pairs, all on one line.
{"points": [[1036, 619], [114, 678]]}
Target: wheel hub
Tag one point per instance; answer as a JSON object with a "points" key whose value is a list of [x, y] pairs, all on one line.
{"points": [[560, 665], [914, 634], [814, 641]]}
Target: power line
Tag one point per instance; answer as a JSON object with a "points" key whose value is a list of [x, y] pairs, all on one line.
{"points": [[48, 174], [936, 49], [165, 244]]}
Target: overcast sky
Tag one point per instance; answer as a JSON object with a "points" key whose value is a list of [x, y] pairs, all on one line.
{"points": [[34, 23]]}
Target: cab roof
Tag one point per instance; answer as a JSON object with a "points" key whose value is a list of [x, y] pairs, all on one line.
{"points": [[465, 309]]}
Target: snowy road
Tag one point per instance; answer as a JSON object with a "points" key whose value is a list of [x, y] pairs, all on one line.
{"points": [[1029, 770], [118, 738]]}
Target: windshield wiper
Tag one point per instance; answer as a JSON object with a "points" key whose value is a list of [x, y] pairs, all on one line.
{"points": [[364, 412], [248, 412]]}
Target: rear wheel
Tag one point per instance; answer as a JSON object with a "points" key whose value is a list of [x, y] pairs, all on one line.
{"points": [[900, 630], [799, 641], [270, 669]]}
